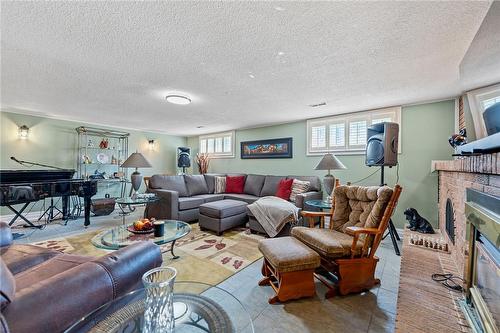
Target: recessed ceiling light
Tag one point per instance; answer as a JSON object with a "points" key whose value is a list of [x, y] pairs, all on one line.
{"points": [[251, 76], [178, 99], [279, 8]]}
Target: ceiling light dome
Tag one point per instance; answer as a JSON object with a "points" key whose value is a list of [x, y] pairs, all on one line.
{"points": [[178, 99]]}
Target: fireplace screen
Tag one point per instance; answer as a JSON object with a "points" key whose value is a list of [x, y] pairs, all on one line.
{"points": [[450, 221], [482, 303]]}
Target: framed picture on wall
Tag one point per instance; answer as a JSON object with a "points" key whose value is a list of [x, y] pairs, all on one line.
{"points": [[270, 148]]}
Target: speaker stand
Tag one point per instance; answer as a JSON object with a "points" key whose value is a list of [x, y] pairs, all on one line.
{"points": [[391, 228]]}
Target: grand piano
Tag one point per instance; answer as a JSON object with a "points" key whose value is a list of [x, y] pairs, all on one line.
{"points": [[27, 186]]}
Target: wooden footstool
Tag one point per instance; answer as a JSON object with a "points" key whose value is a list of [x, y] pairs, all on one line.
{"points": [[288, 267]]}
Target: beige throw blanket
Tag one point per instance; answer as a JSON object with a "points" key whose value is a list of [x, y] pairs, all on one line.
{"points": [[274, 213]]}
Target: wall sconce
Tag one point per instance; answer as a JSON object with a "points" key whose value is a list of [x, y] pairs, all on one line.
{"points": [[23, 132], [151, 144]]}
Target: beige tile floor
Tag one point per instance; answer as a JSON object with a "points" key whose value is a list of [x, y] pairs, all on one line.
{"points": [[372, 311]]}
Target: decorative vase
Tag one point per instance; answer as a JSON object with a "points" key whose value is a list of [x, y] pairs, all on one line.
{"points": [[328, 184], [159, 303]]}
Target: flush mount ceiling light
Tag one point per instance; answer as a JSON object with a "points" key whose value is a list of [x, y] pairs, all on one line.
{"points": [[178, 99]]}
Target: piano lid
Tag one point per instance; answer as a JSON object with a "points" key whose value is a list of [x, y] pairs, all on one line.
{"points": [[34, 176]]}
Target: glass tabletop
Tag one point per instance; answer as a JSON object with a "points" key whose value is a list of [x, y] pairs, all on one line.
{"points": [[137, 200], [319, 204], [118, 237], [198, 307]]}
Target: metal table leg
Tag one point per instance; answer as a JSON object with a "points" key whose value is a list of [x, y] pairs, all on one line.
{"points": [[172, 251]]}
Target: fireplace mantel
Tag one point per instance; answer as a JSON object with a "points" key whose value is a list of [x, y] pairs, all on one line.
{"points": [[483, 164]]}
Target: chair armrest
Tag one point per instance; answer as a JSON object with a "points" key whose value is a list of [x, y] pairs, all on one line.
{"points": [[301, 198], [5, 234], [66, 297], [306, 213], [355, 231], [166, 208]]}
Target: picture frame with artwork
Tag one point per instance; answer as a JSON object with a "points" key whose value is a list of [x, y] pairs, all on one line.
{"points": [[269, 148]]}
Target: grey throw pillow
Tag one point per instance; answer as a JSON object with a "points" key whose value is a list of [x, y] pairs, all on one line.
{"points": [[196, 184]]}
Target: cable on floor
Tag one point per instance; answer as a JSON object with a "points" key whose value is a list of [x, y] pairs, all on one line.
{"points": [[449, 281]]}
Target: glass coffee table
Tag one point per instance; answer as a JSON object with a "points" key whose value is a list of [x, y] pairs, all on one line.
{"points": [[198, 307], [119, 237]]}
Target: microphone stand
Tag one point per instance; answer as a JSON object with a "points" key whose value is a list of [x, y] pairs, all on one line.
{"points": [[391, 228]]}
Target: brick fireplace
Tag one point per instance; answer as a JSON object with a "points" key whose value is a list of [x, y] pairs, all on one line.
{"points": [[478, 172]]}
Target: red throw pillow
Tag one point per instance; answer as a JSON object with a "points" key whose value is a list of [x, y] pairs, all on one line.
{"points": [[235, 184], [284, 189]]}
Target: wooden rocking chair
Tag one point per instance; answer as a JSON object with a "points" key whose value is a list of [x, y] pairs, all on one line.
{"points": [[347, 247]]}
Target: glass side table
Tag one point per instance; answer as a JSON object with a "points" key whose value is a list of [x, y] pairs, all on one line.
{"points": [[321, 204], [127, 204], [198, 307]]}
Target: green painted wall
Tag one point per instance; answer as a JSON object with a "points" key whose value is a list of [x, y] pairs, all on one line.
{"points": [[425, 132], [53, 142]]}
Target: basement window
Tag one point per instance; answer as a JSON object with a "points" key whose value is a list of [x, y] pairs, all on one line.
{"points": [[218, 145], [346, 134], [480, 100]]}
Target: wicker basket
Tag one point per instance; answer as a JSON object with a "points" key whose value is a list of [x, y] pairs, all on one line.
{"points": [[102, 207]]}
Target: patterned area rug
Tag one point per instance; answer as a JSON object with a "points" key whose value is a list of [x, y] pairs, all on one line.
{"points": [[204, 257]]}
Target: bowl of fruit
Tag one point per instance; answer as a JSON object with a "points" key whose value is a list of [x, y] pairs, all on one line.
{"points": [[142, 226]]}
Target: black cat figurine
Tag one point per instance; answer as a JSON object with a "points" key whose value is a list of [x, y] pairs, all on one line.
{"points": [[417, 222], [458, 139]]}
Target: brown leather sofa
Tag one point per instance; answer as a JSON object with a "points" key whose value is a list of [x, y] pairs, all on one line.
{"points": [[43, 290]]}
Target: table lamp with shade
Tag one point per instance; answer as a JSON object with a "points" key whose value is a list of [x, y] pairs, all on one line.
{"points": [[329, 162], [136, 160]]}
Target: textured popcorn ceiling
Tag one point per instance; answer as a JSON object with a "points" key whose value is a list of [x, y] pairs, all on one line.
{"points": [[243, 63]]}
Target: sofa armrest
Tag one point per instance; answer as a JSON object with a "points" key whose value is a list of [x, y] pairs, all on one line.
{"points": [[5, 234], [127, 265], [166, 208], [301, 198], [66, 297]]}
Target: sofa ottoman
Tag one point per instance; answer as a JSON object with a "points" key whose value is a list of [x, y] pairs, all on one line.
{"points": [[222, 215]]}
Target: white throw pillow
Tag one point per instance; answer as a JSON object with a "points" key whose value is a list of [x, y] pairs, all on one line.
{"points": [[220, 184], [299, 186]]}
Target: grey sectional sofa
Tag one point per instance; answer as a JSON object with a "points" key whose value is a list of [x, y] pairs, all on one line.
{"points": [[181, 196]]}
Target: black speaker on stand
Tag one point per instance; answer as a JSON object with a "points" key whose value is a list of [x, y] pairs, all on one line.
{"points": [[382, 150], [183, 158]]}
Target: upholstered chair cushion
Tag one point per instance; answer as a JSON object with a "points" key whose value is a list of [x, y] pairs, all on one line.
{"points": [[253, 184], [172, 183], [359, 206], [287, 254], [196, 184], [329, 243]]}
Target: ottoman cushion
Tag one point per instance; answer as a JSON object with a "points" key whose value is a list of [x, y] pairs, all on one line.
{"points": [[223, 208], [287, 254]]}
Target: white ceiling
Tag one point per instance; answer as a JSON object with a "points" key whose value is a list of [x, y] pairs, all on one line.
{"points": [[244, 64]]}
